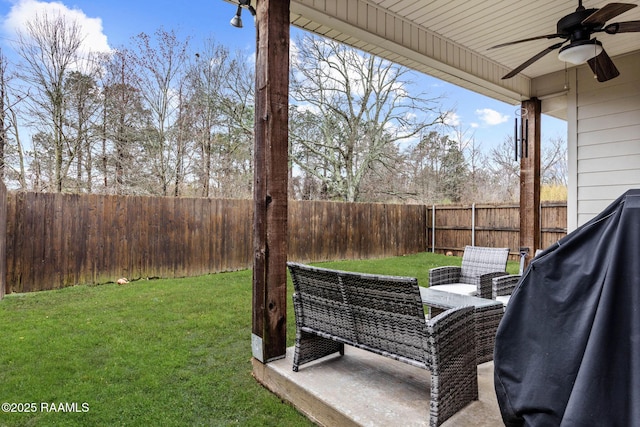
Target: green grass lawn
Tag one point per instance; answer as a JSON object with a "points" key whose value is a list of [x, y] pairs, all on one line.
{"points": [[153, 353], [416, 265]]}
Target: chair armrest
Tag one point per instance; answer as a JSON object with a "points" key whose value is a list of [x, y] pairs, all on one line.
{"points": [[504, 285], [444, 275], [486, 284], [453, 357]]}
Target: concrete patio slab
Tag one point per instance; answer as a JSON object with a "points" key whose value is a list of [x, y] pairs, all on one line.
{"points": [[364, 389]]}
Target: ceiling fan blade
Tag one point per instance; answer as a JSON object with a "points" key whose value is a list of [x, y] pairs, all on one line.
{"points": [[547, 36], [611, 10], [603, 67], [532, 60], [623, 27]]}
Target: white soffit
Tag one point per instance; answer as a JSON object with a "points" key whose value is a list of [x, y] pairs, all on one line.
{"points": [[450, 39]]}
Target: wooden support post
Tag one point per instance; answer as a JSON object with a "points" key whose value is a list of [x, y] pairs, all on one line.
{"points": [[268, 337], [530, 178]]}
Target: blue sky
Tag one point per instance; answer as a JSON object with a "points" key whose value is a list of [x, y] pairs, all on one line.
{"points": [[111, 23]]}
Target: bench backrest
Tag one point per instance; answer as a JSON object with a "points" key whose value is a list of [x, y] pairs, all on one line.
{"points": [[322, 304], [380, 312]]}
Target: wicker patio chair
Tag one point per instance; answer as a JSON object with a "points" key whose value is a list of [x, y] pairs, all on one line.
{"points": [[473, 277], [385, 315], [503, 286]]}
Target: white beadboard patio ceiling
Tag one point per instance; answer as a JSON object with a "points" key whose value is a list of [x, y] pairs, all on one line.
{"points": [[450, 39]]}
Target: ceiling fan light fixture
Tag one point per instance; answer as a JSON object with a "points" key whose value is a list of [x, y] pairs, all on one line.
{"points": [[580, 52]]}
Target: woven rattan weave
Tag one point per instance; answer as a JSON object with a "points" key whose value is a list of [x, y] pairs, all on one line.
{"points": [[479, 266], [385, 315]]}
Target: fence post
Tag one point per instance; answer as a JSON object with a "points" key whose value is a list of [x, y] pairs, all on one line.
{"points": [[3, 239], [433, 228], [539, 227], [473, 224]]}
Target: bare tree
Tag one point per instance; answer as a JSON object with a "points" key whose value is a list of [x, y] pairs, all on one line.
{"points": [[123, 128], [422, 167], [235, 171], [206, 79], [438, 169], [554, 162], [83, 103], [363, 103], [3, 114], [506, 171], [160, 65], [219, 99], [15, 169], [476, 161], [12, 156], [49, 48]]}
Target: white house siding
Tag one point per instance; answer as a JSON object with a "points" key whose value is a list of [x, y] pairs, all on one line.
{"points": [[604, 160]]}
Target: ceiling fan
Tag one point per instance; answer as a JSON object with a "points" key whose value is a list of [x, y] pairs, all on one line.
{"points": [[577, 28]]}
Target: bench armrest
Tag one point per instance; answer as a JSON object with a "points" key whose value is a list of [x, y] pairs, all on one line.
{"points": [[454, 375]]}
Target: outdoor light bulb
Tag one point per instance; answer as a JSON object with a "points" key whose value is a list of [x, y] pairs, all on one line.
{"points": [[580, 52], [236, 21]]}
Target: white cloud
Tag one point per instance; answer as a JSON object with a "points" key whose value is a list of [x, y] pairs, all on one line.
{"points": [[491, 117], [24, 11], [294, 50], [452, 119]]}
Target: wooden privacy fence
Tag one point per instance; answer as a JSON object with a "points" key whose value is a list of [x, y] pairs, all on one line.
{"points": [[323, 231], [58, 240], [451, 227]]}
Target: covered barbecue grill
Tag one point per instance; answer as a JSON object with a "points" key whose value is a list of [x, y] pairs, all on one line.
{"points": [[568, 348]]}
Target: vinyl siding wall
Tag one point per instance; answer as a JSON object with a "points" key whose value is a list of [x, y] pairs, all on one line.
{"points": [[604, 155]]}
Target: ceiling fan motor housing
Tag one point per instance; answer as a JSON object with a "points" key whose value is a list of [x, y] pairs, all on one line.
{"points": [[571, 25]]}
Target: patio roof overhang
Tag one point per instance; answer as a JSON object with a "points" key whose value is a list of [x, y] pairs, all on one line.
{"points": [[450, 40], [380, 31]]}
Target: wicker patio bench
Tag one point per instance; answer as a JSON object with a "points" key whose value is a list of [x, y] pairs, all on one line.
{"points": [[385, 315]]}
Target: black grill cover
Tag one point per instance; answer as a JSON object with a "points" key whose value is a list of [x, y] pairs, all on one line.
{"points": [[568, 347]]}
